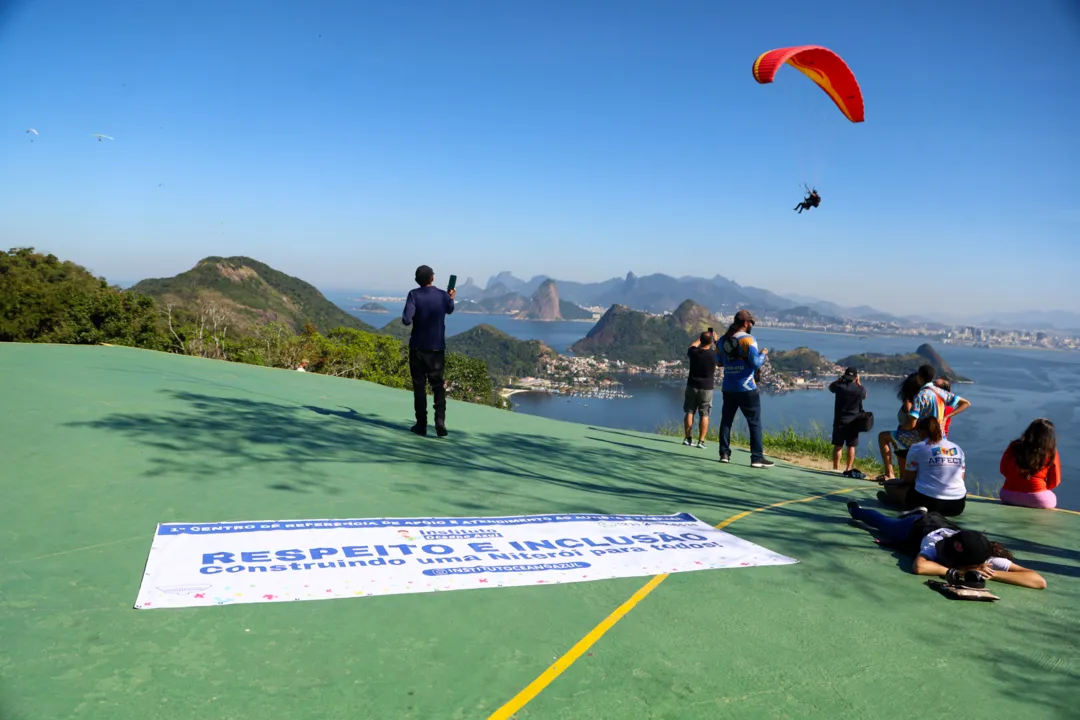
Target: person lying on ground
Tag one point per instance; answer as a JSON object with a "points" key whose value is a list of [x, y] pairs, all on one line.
{"points": [[933, 474], [943, 549], [1032, 467], [900, 438]]}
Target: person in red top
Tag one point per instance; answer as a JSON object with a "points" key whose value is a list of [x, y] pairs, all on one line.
{"points": [[1032, 467]]}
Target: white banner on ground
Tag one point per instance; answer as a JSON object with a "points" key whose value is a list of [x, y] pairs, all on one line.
{"points": [[251, 562]]}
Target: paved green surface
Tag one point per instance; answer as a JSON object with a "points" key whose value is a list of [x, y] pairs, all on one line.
{"points": [[99, 444]]}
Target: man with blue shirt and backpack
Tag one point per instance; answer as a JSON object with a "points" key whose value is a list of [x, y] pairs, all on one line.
{"points": [[739, 354]]}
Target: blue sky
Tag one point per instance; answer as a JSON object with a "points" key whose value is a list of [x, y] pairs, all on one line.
{"points": [[347, 142]]}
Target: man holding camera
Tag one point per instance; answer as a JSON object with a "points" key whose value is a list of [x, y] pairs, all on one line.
{"points": [[847, 405], [699, 386], [426, 309]]}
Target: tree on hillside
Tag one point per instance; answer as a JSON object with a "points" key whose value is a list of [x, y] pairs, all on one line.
{"points": [[44, 299], [205, 334]]}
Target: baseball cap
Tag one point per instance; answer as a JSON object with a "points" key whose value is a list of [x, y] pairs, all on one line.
{"points": [[744, 316], [964, 549], [851, 372]]}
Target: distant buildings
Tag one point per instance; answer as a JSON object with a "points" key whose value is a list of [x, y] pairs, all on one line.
{"points": [[958, 335]]}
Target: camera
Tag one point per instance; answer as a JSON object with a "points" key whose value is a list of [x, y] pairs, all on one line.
{"points": [[965, 578]]}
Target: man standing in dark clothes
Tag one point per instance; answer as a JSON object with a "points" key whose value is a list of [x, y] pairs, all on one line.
{"points": [[850, 394], [426, 309], [699, 387]]}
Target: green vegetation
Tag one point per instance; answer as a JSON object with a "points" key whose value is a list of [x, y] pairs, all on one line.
{"points": [[501, 305], [570, 311], [43, 299], [642, 339], [396, 328], [801, 361], [505, 355], [901, 365], [792, 444], [813, 445], [246, 293]]}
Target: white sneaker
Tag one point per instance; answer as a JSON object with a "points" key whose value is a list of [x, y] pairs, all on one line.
{"points": [[688, 442], [762, 464], [700, 444]]}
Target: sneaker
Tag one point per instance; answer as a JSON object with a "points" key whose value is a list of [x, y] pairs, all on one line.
{"points": [[762, 464], [725, 458], [440, 430], [688, 442], [418, 430], [852, 506], [913, 511], [700, 444]]}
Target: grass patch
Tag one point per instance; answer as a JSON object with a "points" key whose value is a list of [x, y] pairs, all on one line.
{"points": [[790, 443], [814, 443]]}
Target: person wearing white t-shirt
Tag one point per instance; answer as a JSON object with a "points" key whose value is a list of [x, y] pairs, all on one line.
{"points": [[947, 552], [933, 474]]}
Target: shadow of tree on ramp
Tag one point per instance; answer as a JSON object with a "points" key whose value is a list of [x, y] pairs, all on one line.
{"points": [[307, 448]]}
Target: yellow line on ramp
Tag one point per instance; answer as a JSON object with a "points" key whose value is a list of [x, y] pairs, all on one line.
{"points": [[581, 646]]}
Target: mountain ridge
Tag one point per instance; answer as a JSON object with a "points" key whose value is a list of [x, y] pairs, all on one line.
{"points": [[605, 293], [639, 338], [252, 292]]}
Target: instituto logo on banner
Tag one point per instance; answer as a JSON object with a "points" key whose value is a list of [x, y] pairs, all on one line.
{"points": [[274, 561]]}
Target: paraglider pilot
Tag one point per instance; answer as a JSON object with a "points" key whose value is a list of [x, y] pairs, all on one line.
{"points": [[812, 200]]}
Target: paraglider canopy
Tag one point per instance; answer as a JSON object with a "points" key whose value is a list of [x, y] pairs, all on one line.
{"points": [[821, 65]]}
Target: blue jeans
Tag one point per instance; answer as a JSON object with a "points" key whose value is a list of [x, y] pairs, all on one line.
{"points": [[893, 530], [749, 402]]}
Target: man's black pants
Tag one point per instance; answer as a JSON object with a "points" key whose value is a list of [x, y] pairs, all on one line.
{"points": [[426, 367]]}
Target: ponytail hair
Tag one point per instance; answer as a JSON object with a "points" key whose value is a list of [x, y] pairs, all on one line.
{"points": [[999, 550], [731, 330], [909, 388], [930, 427]]}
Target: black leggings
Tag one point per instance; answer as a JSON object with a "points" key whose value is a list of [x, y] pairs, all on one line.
{"points": [[949, 508]]}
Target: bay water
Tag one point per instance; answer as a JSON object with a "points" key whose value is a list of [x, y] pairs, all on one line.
{"points": [[1012, 387]]}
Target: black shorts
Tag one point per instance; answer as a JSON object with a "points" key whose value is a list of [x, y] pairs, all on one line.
{"points": [[948, 508], [845, 434]]}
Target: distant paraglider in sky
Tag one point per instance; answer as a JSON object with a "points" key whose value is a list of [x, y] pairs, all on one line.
{"points": [[32, 131], [100, 137], [829, 72]]}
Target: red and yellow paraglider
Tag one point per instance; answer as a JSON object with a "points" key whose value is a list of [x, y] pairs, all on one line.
{"points": [[821, 65]]}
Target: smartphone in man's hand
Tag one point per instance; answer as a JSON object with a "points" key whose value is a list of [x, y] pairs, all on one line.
{"points": [[453, 283]]}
